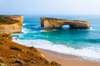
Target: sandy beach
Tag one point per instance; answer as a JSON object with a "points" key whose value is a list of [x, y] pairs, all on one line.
{"points": [[67, 60]]}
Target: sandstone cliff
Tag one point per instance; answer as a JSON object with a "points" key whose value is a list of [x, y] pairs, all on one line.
{"points": [[13, 54], [11, 24], [53, 23]]}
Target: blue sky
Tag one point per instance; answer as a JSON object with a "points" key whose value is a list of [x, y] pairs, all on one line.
{"points": [[37, 7]]}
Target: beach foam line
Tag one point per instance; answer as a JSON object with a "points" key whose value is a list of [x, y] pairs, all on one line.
{"points": [[86, 52], [25, 30]]}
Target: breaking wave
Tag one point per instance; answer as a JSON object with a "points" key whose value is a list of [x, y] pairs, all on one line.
{"points": [[92, 53]]}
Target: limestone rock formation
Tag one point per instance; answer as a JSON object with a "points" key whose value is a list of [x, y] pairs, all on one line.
{"points": [[14, 54], [54, 23], [11, 24]]}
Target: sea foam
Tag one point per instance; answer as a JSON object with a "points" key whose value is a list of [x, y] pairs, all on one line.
{"points": [[86, 52]]}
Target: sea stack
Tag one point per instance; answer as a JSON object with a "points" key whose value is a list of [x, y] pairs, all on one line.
{"points": [[11, 24], [54, 23]]}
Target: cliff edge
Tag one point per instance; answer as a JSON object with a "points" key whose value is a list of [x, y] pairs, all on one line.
{"points": [[11, 24], [13, 54]]}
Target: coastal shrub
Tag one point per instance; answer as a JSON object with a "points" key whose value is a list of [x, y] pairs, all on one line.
{"points": [[15, 48], [1, 38], [46, 62], [1, 44], [6, 20], [1, 32], [55, 63]]}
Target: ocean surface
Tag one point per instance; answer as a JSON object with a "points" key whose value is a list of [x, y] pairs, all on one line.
{"points": [[83, 43]]}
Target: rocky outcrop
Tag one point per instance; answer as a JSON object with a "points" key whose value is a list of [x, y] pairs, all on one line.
{"points": [[14, 54], [11, 24], [53, 23]]}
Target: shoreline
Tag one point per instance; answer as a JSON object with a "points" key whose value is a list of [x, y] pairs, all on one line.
{"points": [[67, 60], [84, 53]]}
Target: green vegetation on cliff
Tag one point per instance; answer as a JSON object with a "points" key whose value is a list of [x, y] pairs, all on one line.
{"points": [[7, 20]]}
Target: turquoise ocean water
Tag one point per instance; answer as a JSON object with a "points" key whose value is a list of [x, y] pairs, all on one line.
{"points": [[83, 43]]}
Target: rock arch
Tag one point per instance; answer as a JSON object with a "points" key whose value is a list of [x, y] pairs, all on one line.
{"points": [[54, 23]]}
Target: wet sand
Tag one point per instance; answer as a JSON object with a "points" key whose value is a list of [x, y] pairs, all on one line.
{"points": [[67, 60]]}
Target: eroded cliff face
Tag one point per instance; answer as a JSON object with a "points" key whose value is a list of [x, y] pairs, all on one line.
{"points": [[14, 54], [11, 24], [53, 23]]}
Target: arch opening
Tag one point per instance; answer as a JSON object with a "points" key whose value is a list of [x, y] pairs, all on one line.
{"points": [[66, 26]]}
